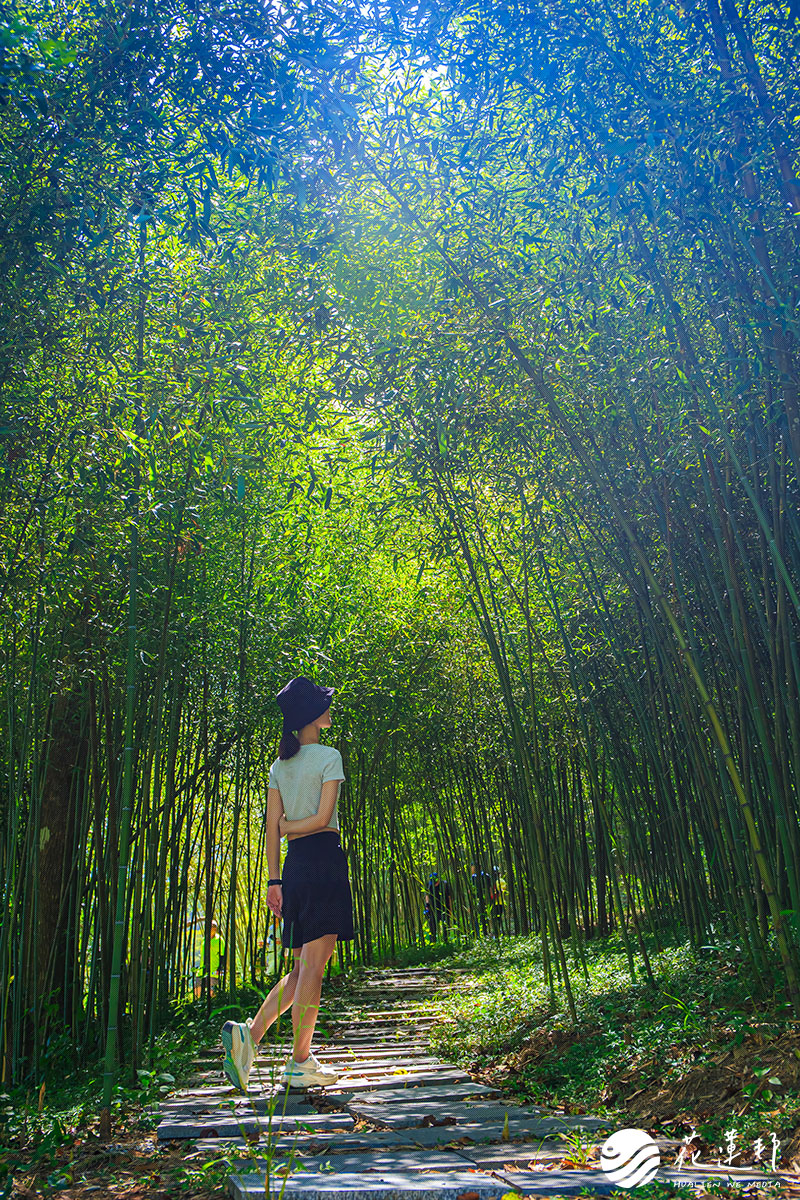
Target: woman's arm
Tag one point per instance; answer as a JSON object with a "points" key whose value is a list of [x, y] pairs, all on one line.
{"points": [[274, 815], [320, 819]]}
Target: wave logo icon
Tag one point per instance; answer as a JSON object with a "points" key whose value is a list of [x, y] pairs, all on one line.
{"points": [[630, 1157]]}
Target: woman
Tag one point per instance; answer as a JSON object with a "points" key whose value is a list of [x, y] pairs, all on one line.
{"points": [[313, 897]]}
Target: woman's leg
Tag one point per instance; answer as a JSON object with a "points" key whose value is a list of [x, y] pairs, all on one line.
{"points": [[279, 999], [313, 960]]}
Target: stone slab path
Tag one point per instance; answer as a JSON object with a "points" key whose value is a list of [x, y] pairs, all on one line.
{"points": [[398, 1124]]}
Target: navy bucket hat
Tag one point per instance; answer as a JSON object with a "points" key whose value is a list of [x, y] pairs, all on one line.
{"points": [[302, 701]]}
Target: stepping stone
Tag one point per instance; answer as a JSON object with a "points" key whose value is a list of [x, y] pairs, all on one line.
{"points": [[397, 992], [402, 979], [374, 1013], [382, 991], [404, 974], [225, 1091], [413, 1048], [397, 1160], [398, 1045], [410, 1112], [382, 1056], [520, 1124], [462, 1137], [401, 1052], [388, 1068], [429, 1075], [413, 1093], [441, 1076], [368, 1010], [408, 1033], [206, 1085], [396, 1005], [224, 1125], [394, 1055], [225, 1095], [348, 1089], [380, 1185], [369, 1021], [370, 999], [393, 1029], [351, 1085], [372, 1022], [397, 989], [396, 981], [387, 1019], [523, 1130], [247, 1105], [318, 1143], [396, 1039], [452, 1136], [263, 1064], [409, 970], [395, 1047], [354, 1078], [558, 1183], [495, 1156]]}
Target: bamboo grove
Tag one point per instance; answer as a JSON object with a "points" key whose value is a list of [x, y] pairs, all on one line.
{"points": [[447, 354]]}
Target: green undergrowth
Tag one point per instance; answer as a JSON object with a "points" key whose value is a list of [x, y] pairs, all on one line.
{"points": [[427, 954], [702, 1048], [43, 1120]]}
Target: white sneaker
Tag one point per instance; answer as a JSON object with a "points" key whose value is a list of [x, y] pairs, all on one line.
{"points": [[240, 1052], [308, 1073]]}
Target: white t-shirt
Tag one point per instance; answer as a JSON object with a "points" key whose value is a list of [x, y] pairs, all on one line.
{"points": [[299, 780]]}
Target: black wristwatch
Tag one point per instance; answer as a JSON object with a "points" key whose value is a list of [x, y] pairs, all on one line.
{"points": [[271, 881]]}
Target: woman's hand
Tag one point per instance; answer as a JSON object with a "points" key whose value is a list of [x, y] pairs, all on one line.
{"points": [[282, 830], [275, 898]]}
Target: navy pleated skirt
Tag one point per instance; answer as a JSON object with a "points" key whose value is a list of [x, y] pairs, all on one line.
{"points": [[316, 889]]}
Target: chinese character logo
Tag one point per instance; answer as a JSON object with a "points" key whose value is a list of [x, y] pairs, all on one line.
{"points": [[759, 1147], [630, 1157]]}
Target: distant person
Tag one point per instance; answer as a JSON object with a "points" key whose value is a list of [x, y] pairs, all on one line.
{"points": [[438, 903], [313, 896], [216, 951], [497, 898], [480, 885]]}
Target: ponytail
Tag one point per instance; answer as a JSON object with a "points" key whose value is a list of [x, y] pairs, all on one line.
{"points": [[289, 745]]}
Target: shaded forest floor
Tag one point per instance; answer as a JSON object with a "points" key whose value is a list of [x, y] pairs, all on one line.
{"points": [[697, 1055]]}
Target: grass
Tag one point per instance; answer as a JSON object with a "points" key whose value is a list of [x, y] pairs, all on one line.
{"points": [[651, 1057]]}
